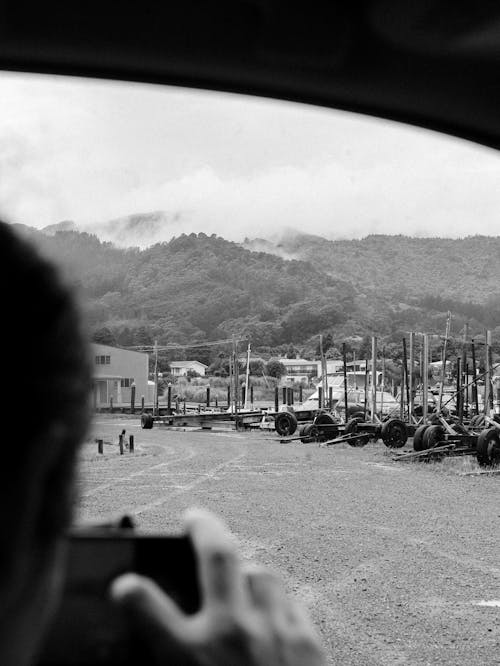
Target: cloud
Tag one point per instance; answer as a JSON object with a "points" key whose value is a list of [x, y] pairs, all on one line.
{"points": [[93, 151]]}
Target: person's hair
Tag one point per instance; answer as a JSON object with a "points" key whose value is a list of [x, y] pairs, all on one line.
{"points": [[44, 392]]}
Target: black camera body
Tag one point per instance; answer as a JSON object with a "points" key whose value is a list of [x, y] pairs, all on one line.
{"points": [[88, 629]]}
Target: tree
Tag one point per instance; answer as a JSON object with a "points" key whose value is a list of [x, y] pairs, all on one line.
{"points": [[104, 336], [275, 369], [291, 352]]}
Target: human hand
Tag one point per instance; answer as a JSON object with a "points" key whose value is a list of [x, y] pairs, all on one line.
{"points": [[245, 617]]}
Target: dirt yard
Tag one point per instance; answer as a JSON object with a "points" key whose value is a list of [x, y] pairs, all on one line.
{"points": [[392, 559]]}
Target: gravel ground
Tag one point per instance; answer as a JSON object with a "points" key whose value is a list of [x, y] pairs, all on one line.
{"points": [[391, 558]]}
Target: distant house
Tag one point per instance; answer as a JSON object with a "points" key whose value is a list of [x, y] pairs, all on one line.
{"points": [[299, 369], [115, 371], [181, 368]]}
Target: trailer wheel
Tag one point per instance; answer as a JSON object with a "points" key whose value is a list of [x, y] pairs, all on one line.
{"points": [[418, 443], [394, 433], [308, 433], [358, 415], [488, 448], [479, 421], [146, 421], [352, 425], [285, 424], [323, 419], [432, 436]]}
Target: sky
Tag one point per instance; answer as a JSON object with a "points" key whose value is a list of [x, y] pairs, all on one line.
{"points": [[91, 151]]}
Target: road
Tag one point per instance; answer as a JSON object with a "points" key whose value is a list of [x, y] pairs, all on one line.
{"points": [[393, 560]]}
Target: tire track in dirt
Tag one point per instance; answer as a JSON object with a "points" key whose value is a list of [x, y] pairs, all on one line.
{"points": [[209, 475], [141, 472]]}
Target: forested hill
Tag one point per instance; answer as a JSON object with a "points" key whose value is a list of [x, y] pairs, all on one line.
{"points": [[465, 269], [197, 288]]}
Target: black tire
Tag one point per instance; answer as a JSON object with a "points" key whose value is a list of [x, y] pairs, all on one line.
{"points": [[432, 437], [488, 448], [285, 424], [394, 433], [323, 418], [479, 421], [352, 425], [308, 433], [418, 443], [146, 421]]}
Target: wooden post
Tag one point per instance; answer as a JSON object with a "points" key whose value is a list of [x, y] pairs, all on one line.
{"points": [[290, 402], [324, 373], [411, 378], [100, 447], [244, 395], [382, 383], [425, 377], [406, 381], [464, 367], [132, 398], [402, 394], [169, 398], [184, 407], [120, 444], [466, 396], [228, 396], [443, 359], [344, 367], [142, 404], [330, 397], [300, 394], [155, 403], [251, 396], [208, 396], [374, 379], [459, 396], [487, 374], [475, 396], [111, 404], [366, 388], [276, 398], [320, 397], [284, 392], [131, 443]]}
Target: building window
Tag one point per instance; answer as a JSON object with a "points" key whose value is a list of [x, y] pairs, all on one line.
{"points": [[108, 360], [127, 382], [102, 360]]}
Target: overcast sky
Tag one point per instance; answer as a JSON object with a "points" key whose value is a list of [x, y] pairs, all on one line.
{"points": [[237, 166]]}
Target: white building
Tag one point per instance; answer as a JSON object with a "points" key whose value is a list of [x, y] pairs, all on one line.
{"points": [[115, 371], [299, 369], [181, 368]]}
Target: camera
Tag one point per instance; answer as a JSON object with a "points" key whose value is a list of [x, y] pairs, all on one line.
{"points": [[88, 629]]}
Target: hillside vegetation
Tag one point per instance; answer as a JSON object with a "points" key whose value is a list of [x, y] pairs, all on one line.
{"points": [[197, 288]]}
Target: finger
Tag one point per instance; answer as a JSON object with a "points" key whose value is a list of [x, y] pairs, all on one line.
{"points": [[220, 574], [158, 617], [266, 589]]}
